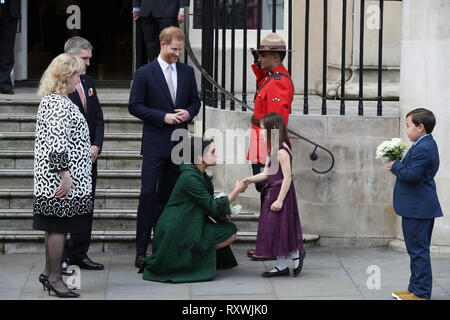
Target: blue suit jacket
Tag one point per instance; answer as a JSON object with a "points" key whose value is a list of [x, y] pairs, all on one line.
{"points": [[150, 101], [415, 190]]}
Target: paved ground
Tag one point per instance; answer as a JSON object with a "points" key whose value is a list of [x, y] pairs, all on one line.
{"points": [[329, 273]]}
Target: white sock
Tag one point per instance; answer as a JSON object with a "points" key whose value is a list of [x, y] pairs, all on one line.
{"points": [[281, 264], [295, 255]]}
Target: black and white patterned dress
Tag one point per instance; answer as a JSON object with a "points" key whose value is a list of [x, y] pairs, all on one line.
{"points": [[62, 143]]}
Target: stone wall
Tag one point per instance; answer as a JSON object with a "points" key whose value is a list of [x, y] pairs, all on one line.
{"points": [[424, 82], [352, 204]]}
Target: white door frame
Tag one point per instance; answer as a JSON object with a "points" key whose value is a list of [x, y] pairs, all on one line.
{"points": [[20, 70]]}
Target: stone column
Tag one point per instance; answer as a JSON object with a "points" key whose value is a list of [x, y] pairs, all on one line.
{"points": [[425, 82]]}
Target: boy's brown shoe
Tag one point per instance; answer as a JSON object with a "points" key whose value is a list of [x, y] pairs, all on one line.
{"points": [[410, 296], [396, 294]]}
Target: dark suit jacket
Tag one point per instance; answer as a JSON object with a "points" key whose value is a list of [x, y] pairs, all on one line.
{"points": [[160, 8], [14, 8], [94, 117], [415, 190], [150, 101]]}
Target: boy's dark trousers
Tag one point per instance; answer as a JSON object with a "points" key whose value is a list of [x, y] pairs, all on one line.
{"points": [[417, 234]]}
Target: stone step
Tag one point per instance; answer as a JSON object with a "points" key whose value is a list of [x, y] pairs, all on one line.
{"points": [[27, 123], [107, 219], [115, 160], [24, 241], [104, 198], [114, 179], [30, 107], [112, 141], [13, 198]]}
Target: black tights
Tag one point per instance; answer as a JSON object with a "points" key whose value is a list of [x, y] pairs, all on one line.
{"points": [[54, 246]]}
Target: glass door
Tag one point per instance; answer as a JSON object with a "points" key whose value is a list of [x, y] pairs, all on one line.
{"points": [[107, 24]]}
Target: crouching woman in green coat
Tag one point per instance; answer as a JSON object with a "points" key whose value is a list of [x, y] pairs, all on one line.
{"points": [[188, 245]]}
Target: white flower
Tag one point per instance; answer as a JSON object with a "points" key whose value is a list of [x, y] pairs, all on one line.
{"points": [[396, 141], [220, 194], [391, 149], [235, 208]]}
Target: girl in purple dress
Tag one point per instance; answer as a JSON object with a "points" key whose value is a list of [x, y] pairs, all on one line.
{"points": [[279, 229]]}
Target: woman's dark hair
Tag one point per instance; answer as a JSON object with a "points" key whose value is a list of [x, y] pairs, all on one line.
{"points": [[423, 116], [275, 121], [196, 144]]}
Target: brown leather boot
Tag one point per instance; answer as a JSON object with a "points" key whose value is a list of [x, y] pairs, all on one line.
{"points": [[410, 296], [396, 294]]}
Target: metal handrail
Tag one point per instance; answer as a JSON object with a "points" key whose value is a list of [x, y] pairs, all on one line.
{"points": [[313, 155]]}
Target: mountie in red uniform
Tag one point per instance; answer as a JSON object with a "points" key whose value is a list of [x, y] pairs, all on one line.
{"points": [[275, 93]]}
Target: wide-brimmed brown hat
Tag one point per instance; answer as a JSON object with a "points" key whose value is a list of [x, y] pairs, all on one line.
{"points": [[272, 42]]}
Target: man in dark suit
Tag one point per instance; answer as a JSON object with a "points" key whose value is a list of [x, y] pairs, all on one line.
{"points": [[164, 95], [416, 201], [85, 97], [155, 16], [9, 15]]}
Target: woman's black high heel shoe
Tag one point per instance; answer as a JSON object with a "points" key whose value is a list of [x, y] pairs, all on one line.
{"points": [[43, 279], [300, 264], [59, 294]]}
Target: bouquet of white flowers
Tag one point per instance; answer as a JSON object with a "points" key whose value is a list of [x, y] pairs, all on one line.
{"points": [[391, 150], [234, 207]]}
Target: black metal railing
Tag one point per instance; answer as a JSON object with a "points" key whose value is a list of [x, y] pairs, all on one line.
{"points": [[207, 78], [221, 15]]}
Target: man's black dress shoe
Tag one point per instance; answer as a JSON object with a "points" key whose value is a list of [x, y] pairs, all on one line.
{"points": [[139, 260], [87, 263], [284, 272], [64, 266], [7, 91]]}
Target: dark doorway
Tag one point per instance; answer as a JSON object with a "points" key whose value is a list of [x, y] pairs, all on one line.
{"points": [[107, 24]]}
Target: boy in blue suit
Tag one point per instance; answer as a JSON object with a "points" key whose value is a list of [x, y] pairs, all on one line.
{"points": [[416, 201]]}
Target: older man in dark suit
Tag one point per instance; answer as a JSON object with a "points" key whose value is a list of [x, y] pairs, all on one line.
{"points": [[164, 95], [157, 15], [85, 97], [9, 15]]}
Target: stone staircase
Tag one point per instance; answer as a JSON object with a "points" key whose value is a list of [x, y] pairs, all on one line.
{"points": [[118, 182]]}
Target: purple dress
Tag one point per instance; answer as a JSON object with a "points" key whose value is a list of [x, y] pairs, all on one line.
{"points": [[279, 233]]}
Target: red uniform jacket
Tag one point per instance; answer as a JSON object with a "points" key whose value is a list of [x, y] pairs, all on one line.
{"points": [[275, 96], [260, 74]]}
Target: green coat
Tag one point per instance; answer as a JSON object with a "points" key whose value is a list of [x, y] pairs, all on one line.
{"points": [[184, 244]]}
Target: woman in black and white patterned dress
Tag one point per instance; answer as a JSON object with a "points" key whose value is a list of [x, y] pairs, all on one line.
{"points": [[62, 167]]}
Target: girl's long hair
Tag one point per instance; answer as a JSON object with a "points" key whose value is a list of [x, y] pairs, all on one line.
{"points": [[274, 121]]}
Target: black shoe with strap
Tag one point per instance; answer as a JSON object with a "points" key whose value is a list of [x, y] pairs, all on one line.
{"points": [[268, 274], [300, 263]]}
